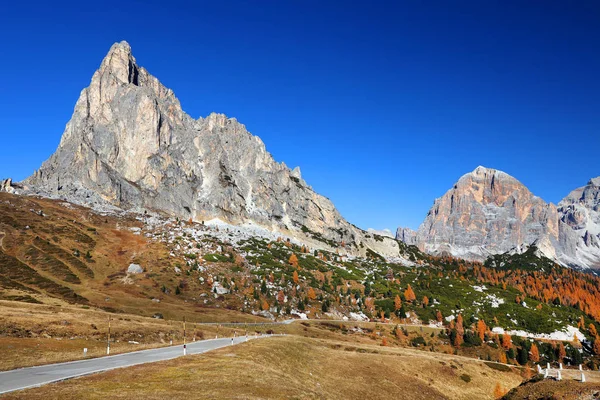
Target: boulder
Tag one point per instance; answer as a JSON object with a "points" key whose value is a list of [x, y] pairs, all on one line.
{"points": [[134, 269]]}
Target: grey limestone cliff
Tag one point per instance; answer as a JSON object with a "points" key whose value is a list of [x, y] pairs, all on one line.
{"points": [[489, 212], [129, 144], [580, 211]]}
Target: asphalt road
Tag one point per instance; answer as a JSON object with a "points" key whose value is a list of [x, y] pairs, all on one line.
{"points": [[24, 378]]}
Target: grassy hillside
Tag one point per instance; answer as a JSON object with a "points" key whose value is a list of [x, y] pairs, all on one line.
{"points": [[67, 260], [56, 253], [551, 389], [293, 367]]}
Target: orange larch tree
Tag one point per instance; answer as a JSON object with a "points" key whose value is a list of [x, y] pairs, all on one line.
{"points": [[576, 343], [592, 330], [596, 346], [506, 341], [481, 328], [534, 353], [460, 329], [502, 359], [264, 305], [293, 261], [409, 294], [458, 340]]}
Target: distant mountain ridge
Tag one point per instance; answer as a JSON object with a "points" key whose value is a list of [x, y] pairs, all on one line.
{"points": [[489, 212], [129, 144], [580, 210]]}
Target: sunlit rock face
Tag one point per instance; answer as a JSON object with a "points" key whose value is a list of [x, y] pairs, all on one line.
{"points": [[486, 212], [129, 144], [489, 212]]}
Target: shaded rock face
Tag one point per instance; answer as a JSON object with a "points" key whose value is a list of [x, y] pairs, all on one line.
{"points": [[580, 211], [129, 144], [406, 235]]}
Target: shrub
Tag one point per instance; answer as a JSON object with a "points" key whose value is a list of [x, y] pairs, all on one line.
{"points": [[417, 341], [498, 367]]}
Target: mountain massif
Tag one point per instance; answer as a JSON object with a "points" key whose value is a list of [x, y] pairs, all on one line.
{"points": [[130, 145], [489, 212]]}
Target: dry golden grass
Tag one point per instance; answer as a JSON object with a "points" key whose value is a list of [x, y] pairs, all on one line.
{"points": [[35, 334], [291, 367], [24, 352], [322, 360], [550, 389], [47, 244]]}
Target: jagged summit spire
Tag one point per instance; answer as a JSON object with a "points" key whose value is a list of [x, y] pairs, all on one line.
{"points": [[120, 63], [123, 45]]}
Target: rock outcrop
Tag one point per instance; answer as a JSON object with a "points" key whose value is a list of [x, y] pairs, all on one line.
{"points": [[7, 185], [406, 235], [490, 212], [135, 269], [129, 144], [580, 210]]}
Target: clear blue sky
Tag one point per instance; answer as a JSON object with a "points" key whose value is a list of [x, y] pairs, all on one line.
{"points": [[382, 106]]}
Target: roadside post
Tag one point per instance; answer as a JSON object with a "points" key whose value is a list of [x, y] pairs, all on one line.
{"points": [[184, 344], [108, 338]]}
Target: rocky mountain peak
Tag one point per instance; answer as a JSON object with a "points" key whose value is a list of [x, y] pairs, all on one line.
{"points": [[486, 212], [130, 145], [481, 170], [120, 63], [489, 212], [588, 195], [489, 185], [482, 173]]}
